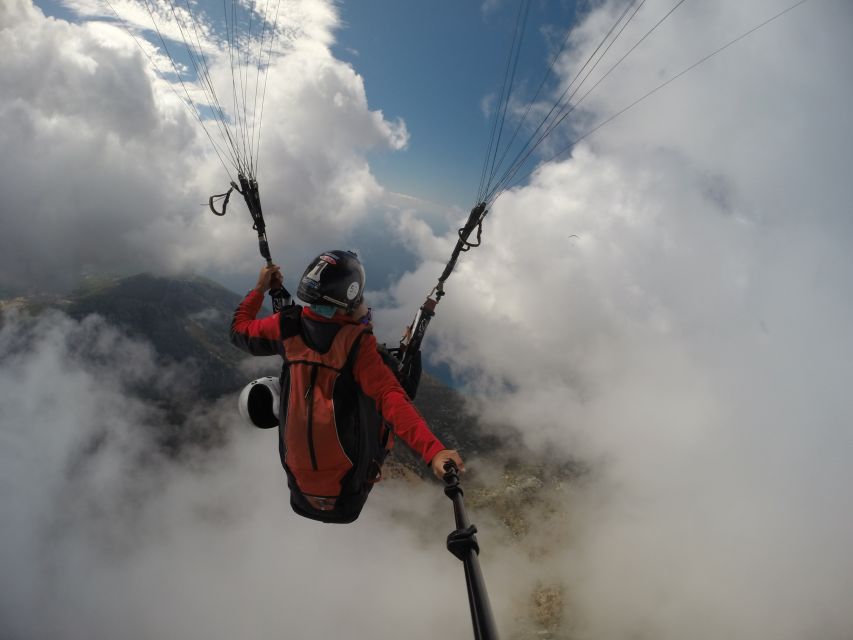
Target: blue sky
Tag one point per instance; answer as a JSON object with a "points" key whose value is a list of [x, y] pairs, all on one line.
{"points": [[432, 64]]}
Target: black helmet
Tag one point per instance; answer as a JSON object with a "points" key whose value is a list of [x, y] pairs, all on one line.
{"points": [[333, 277]]}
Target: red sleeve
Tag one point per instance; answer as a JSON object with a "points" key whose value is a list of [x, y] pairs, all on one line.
{"points": [[258, 337], [377, 381]]}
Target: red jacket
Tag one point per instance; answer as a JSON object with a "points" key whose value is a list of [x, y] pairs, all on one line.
{"points": [[263, 338]]}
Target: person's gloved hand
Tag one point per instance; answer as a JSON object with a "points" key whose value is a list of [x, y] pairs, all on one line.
{"points": [[277, 281], [269, 278], [443, 456]]}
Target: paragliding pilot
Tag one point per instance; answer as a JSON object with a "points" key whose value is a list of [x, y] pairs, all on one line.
{"points": [[338, 400]]}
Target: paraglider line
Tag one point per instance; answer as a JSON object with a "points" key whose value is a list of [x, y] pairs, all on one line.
{"points": [[658, 88]]}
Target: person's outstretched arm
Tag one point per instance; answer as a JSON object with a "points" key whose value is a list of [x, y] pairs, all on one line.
{"points": [[377, 381]]}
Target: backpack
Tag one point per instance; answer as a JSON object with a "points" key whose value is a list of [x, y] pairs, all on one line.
{"points": [[332, 439]]}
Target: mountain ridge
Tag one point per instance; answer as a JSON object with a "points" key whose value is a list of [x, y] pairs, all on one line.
{"points": [[187, 319]]}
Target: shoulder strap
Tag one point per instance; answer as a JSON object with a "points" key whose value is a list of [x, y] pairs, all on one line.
{"points": [[347, 344], [337, 357], [290, 321], [353, 352]]}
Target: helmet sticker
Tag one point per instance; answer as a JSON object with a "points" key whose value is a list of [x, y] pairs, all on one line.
{"points": [[314, 274], [327, 258], [352, 291]]}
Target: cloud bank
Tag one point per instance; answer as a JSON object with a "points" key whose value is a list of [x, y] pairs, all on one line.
{"points": [[105, 535], [672, 305], [104, 164]]}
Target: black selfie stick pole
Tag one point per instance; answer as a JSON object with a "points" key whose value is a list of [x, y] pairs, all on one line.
{"points": [[462, 543]]}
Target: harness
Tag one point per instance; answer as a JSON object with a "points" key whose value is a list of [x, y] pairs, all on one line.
{"points": [[333, 440]]}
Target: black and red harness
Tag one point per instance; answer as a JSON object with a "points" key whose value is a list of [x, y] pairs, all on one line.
{"points": [[332, 439]]}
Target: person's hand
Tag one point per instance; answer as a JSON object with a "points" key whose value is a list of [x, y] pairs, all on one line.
{"points": [[269, 277], [443, 456], [277, 281]]}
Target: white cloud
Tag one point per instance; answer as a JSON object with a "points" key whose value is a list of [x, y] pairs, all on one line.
{"points": [[693, 342], [104, 535], [110, 171]]}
